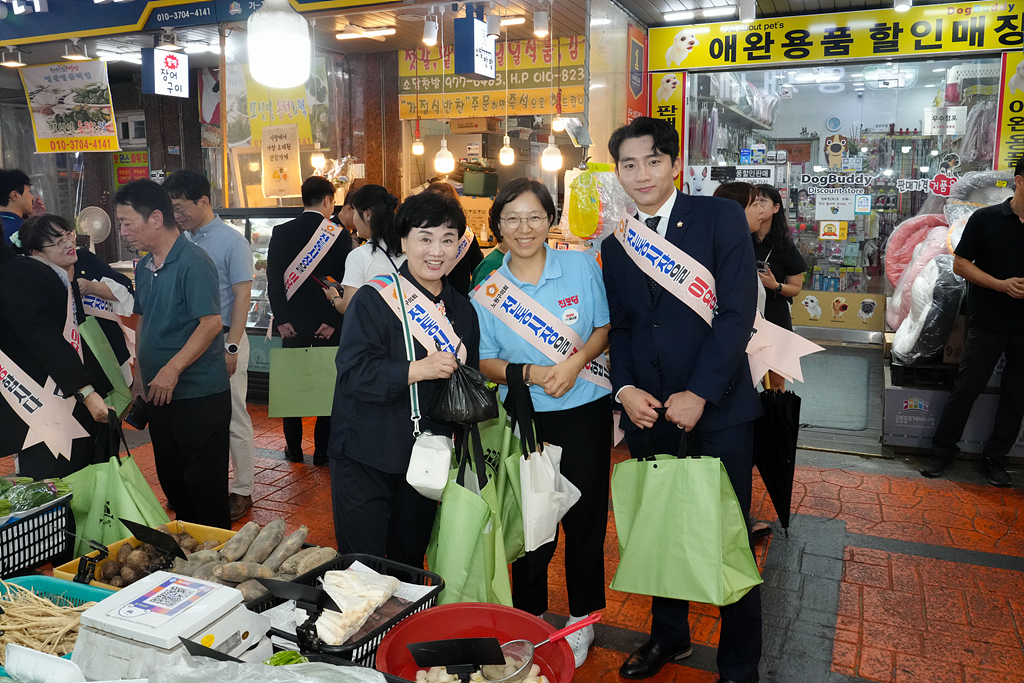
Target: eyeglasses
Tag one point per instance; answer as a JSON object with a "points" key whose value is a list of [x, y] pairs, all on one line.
{"points": [[763, 200], [513, 222], [63, 243], [180, 210]]}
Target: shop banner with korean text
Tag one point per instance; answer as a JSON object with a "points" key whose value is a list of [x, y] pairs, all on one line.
{"points": [[537, 73], [252, 107], [71, 107], [637, 98], [282, 175], [130, 166], [1010, 125], [956, 28], [668, 103]]}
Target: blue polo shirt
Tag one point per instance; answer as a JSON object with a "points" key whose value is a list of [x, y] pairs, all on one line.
{"points": [[231, 254], [571, 287], [171, 300]]}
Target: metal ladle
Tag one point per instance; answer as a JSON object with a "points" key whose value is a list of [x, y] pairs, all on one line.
{"points": [[522, 650]]}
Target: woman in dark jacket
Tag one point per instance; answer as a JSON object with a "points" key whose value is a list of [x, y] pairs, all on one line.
{"points": [[375, 510]]}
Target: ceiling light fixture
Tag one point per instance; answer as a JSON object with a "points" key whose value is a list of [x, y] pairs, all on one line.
{"points": [[430, 29], [925, 169], [540, 24], [279, 46], [513, 21], [507, 155], [934, 152], [902, 5], [317, 158], [938, 71], [905, 149], [444, 162], [678, 16], [168, 41], [551, 157], [887, 172], [493, 25], [748, 11], [10, 58], [75, 52], [719, 11], [366, 33]]}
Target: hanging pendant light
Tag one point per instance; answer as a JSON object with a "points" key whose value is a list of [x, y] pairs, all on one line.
{"points": [[417, 145], [279, 45], [317, 158], [551, 159], [507, 155], [444, 162], [558, 125]]}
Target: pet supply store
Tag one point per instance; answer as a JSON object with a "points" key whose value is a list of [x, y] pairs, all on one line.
{"points": [[882, 130]]}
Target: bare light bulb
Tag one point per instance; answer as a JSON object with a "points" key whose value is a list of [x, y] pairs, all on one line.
{"points": [[507, 155], [551, 159], [417, 147], [444, 162], [317, 158], [558, 125]]}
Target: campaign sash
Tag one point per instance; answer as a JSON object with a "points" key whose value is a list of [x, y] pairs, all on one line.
{"points": [[310, 255], [464, 244], [543, 330], [99, 308], [71, 332], [770, 346], [429, 326]]}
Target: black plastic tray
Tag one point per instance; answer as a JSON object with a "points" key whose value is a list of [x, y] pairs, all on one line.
{"points": [[34, 540]]}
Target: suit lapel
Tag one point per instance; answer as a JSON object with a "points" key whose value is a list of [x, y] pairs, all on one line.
{"points": [[678, 224]]}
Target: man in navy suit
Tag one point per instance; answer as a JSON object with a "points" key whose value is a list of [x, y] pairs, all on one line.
{"points": [[664, 354]]}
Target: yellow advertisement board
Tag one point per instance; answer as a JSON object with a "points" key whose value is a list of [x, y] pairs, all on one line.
{"points": [[277, 107], [1010, 125], [840, 310], [668, 103], [70, 106], [537, 73], [877, 34]]}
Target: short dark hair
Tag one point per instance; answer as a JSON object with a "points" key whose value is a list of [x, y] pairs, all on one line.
{"points": [[315, 189], [1018, 168], [666, 139], [145, 197], [742, 193], [778, 234], [441, 187], [382, 205], [510, 192], [188, 185], [39, 231], [12, 181], [429, 209]]}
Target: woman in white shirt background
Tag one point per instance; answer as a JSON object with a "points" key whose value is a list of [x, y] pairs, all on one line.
{"points": [[374, 218]]}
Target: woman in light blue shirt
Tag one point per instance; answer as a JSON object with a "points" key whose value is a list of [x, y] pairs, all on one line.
{"points": [[572, 410]]}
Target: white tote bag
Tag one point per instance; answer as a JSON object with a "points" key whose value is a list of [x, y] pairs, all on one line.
{"points": [[547, 495]]}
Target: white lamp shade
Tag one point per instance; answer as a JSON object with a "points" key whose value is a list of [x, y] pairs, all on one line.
{"points": [[417, 147], [279, 46], [430, 31], [902, 5], [444, 162], [551, 159], [494, 25], [540, 24], [507, 155]]}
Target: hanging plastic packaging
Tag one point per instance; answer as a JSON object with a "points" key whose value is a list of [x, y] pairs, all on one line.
{"points": [[937, 292]]}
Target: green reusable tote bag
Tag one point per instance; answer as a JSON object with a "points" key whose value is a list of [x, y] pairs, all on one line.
{"points": [[502, 448], [121, 397], [681, 530], [466, 544]]}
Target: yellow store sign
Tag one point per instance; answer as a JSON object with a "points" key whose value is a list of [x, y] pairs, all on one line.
{"points": [[1010, 126], [877, 34]]}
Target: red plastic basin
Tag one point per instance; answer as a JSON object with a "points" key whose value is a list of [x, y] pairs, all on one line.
{"points": [[474, 620]]}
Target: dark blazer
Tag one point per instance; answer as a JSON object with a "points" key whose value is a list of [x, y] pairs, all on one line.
{"points": [[308, 308], [91, 267], [664, 347]]}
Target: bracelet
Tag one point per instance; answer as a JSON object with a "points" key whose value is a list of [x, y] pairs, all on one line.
{"points": [[334, 299]]}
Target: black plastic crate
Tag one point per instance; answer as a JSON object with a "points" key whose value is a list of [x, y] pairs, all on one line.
{"points": [[363, 651], [34, 540], [931, 375]]}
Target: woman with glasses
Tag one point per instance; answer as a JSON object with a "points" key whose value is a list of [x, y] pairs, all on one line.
{"points": [[40, 310], [572, 403]]}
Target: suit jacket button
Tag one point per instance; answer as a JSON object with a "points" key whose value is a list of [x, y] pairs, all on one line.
{"points": [[654, 363], [657, 324]]}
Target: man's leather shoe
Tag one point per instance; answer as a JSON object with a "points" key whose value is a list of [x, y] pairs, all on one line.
{"points": [[936, 465], [320, 459], [292, 455], [994, 472], [648, 660], [754, 678]]}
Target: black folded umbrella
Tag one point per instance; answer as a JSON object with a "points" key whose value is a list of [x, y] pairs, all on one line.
{"points": [[775, 435]]}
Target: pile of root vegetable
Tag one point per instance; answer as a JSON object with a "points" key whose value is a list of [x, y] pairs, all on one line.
{"points": [[37, 623], [253, 553]]}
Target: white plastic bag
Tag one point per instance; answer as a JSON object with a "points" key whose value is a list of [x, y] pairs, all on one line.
{"points": [[358, 594], [547, 495]]}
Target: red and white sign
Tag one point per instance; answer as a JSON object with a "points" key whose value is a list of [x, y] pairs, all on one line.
{"points": [[164, 73]]}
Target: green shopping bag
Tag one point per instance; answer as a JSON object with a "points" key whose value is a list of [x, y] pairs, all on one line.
{"points": [[705, 557], [120, 399], [502, 448], [466, 544], [109, 490]]}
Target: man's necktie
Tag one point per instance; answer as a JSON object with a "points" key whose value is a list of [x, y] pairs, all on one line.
{"points": [[652, 223]]}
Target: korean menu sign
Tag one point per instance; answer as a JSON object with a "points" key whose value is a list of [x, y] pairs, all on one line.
{"points": [[282, 174], [1010, 125], [130, 166], [537, 73], [927, 29], [71, 107]]}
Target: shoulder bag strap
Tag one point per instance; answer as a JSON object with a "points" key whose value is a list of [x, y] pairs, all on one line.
{"points": [[410, 353]]}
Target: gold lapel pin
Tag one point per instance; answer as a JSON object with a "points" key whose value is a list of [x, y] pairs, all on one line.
{"points": [[679, 224]]}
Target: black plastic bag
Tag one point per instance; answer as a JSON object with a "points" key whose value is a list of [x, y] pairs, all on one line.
{"points": [[464, 398]]}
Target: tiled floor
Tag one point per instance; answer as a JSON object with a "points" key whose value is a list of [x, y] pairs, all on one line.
{"points": [[884, 575]]}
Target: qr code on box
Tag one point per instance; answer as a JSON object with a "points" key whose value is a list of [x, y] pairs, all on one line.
{"points": [[171, 596]]}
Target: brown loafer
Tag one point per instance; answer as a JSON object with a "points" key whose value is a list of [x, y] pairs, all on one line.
{"points": [[238, 505]]}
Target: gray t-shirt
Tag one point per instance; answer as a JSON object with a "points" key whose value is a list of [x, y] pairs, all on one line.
{"points": [[232, 256]]}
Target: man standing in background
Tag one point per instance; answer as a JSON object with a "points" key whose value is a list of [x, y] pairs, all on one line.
{"points": [[190, 196], [17, 201]]}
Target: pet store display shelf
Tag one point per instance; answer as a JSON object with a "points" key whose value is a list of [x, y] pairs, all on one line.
{"points": [[734, 116]]}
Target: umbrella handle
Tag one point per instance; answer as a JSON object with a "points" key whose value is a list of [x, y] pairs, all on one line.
{"points": [[558, 635]]}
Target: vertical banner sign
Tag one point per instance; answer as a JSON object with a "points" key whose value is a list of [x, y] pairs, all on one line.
{"points": [[164, 73], [71, 107], [282, 175], [1010, 125], [668, 103], [636, 94], [273, 108], [130, 166]]}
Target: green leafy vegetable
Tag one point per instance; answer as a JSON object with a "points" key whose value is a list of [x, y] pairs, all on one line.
{"points": [[286, 657]]}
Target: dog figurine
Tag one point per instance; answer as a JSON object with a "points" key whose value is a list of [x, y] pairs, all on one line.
{"points": [[839, 307], [835, 150], [669, 83], [813, 309], [950, 162], [867, 309], [1016, 81], [680, 49], [695, 177]]}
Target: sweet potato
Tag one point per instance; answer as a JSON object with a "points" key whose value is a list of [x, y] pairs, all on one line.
{"points": [[286, 549], [251, 590], [205, 572], [266, 542], [237, 572], [183, 567], [211, 545], [238, 544], [315, 559], [291, 565], [188, 543], [201, 557]]}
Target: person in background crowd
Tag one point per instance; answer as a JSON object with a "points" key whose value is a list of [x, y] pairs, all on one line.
{"points": [[570, 410], [374, 217], [375, 509], [990, 256], [779, 266], [40, 309], [346, 219], [180, 370], [190, 196], [304, 319], [663, 353], [462, 271], [747, 196], [17, 201]]}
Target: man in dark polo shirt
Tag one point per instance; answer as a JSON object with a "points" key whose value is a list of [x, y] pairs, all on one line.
{"points": [[180, 370], [990, 256]]}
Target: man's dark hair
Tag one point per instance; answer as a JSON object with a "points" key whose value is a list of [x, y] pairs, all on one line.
{"points": [[188, 185], [666, 139], [315, 189], [429, 209], [1018, 169], [38, 232], [145, 197], [12, 181], [744, 194], [442, 187], [510, 192], [381, 204]]}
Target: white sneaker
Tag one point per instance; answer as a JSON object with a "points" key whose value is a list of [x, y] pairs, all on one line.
{"points": [[580, 642]]}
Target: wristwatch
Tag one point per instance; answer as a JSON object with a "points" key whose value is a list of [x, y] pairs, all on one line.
{"points": [[231, 348], [526, 375], [83, 393], [778, 290]]}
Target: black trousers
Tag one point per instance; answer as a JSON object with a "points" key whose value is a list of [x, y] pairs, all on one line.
{"points": [[190, 448], [378, 513], [292, 426], [981, 353], [739, 646], [585, 435]]}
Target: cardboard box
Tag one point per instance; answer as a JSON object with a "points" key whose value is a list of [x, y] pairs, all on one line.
{"points": [[478, 211], [887, 348], [199, 532], [477, 125], [954, 350]]}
